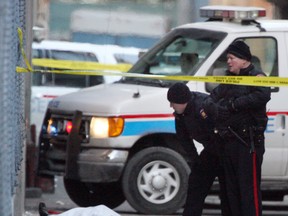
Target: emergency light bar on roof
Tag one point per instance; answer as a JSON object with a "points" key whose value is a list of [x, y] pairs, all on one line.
{"points": [[232, 12]]}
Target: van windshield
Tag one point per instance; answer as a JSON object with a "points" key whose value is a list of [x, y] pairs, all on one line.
{"points": [[181, 52]]}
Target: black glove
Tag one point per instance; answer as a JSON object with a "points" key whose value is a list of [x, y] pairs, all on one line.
{"points": [[214, 110], [209, 109]]}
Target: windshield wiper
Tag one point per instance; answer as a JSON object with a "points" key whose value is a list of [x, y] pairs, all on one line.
{"points": [[146, 81]]}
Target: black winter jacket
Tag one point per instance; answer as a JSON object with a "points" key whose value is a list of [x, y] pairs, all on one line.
{"points": [[190, 125], [249, 101]]}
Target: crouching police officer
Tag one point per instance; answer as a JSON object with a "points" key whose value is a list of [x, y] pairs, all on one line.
{"points": [[240, 119], [204, 167]]}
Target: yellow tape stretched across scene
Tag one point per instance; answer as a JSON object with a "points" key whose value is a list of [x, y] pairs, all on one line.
{"points": [[67, 64], [79, 65], [97, 69], [237, 80]]}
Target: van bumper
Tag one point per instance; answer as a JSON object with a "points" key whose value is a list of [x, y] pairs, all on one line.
{"points": [[90, 165], [101, 165]]}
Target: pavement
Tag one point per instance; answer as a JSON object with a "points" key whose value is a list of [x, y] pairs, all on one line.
{"points": [[54, 201], [57, 206], [59, 201]]}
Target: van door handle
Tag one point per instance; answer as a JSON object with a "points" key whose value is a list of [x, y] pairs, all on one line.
{"points": [[280, 123]]}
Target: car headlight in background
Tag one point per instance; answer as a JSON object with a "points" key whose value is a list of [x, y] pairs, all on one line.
{"points": [[106, 127]]}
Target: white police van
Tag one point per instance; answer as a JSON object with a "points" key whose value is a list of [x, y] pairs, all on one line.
{"points": [[46, 86], [115, 142]]}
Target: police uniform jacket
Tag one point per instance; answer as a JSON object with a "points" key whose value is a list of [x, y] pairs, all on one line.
{"points": [[191, 126], [249, 102]]}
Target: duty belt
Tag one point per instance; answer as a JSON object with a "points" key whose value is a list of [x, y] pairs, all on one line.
{"points": [[235, 134]]}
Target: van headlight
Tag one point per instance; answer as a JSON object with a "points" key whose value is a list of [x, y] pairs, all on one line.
{"points": [[101, 127]]}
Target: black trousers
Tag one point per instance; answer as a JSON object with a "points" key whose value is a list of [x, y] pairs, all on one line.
{"points": [[243, 177], [202, 176]]}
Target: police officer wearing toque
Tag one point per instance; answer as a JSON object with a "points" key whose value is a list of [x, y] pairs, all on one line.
{"points": [[239, 115], [191, 125]]}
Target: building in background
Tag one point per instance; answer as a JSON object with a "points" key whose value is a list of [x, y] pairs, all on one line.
{"points": [[121, 22], [59, 17], [123, 28], [41, 16]]}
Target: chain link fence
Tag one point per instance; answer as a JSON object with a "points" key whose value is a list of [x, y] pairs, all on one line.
{"points": [[12, 102]]}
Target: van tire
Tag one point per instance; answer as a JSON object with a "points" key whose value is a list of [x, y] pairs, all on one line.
{"points": [[156, 171], [93, 194]]}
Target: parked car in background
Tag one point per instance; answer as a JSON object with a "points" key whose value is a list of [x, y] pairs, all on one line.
{"points": [[46, 86]]}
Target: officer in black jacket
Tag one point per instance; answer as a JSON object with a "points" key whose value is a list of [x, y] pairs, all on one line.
{"points": [[241, 128], [190, 125]]}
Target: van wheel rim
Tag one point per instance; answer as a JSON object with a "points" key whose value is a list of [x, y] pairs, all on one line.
{"points": [[158, 182]]}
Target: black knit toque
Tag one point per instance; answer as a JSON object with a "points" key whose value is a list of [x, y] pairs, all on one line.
{"points": [[240, 50], [179, 93]]}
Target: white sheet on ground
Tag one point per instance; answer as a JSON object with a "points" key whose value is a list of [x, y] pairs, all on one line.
{"points": [[100, 210]]}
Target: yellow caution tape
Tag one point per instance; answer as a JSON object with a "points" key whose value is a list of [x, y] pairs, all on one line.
{"points": [[236, 80], [96, 69], [66, 64], [20, 35], [79, 65]]}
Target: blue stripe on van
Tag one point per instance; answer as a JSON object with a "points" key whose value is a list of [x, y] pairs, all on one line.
{"points": [[134, 128]]}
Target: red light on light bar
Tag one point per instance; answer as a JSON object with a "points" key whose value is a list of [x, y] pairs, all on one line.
{"points": [[225, 14], [262, 13]]}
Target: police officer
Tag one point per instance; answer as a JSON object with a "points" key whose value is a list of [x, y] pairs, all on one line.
{"points": [[242, 131], [190, 124]]}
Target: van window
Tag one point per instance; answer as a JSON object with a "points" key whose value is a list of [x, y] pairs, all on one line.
{"points": [[67, 80], [126, 58], [168, 61], [71, 55], [264, 57], [180, 53]]}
